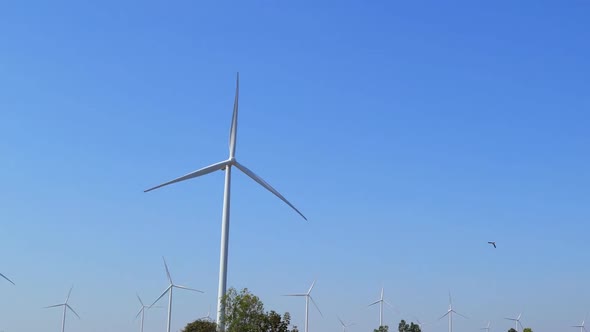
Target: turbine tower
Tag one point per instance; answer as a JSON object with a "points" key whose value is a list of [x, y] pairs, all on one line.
{"points": [[226, 166], [516, 321], [307, 298], [66, 307], [344, 326], [381, 301], [582, 326], [487, 328], [450, 313], [3, 276], [141, 312], [168, 290]]}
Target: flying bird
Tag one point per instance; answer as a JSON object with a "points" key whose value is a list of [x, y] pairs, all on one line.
{"points": [[492, 243]]}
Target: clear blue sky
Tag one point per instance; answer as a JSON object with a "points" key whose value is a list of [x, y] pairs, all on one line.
{"points": [[409, 132]]}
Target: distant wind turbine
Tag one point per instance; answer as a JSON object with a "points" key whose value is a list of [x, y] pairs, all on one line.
{"points": [[3, 276], [380, 302], [420, 324], [168, 290], [582, 326], [450, 313], [66, 307], [307, 298], [208, 317], [226, 166], [487, 328], [516, 321], [344, 326], [141, 312]]}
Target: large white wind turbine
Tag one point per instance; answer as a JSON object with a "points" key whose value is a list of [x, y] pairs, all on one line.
{"points": [[582, 326], [380, 302], [487, 328], [3, 276], [168, 290], [307, 298], [66, 307], [344, 326], [450, 313], [516, 321], [226, 166]]}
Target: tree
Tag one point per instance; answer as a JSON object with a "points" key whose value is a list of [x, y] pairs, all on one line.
{"points": [[200, 325], [383, 328], [405, 327], [512, 330], [528, 329], [244, 312]]}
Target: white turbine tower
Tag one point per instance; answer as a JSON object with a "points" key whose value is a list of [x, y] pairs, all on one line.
{"points": [[3, 276], [582, 326], [141, 312], [487, 328], [168, 290], [516, 321], [344, 326], [450, 313], [307, 298], [226, 166], [380, 302], [66, 307]]}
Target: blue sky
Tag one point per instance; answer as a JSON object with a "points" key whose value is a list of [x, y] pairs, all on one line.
{"points": [[409, 133]]}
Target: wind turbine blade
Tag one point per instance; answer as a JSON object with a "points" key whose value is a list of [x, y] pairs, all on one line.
{"points": [[205, 170], [374, 303], [233, 132], [266, 185], [139, 298], [3, 276], [519, 323], [310, 288], [460, 314], [294, 295], [450, 298], [161, 296], [443, 316], [75, 313], [341, 322], [190, 289], [512, 319], [167, 271], [381, 293], [139, 313], [54, 306], [69, 293], [316, 306]]}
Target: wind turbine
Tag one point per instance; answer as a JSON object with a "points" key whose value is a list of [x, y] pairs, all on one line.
{"points": [[344, 326], [226, 166], [208, 317], [381, 301], [66, 306], [3, 276], [487, 328], [582, 326], [307, 298], [516, 321], [141, 312], [420, 324], [168, 290], [450, 313]]}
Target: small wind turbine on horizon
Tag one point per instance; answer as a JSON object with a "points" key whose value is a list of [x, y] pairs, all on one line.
{"points": [[582, 326], [226, 166], [66, 307], [141, 312], [450, 313], [516, 321], [420, 324], [307, 298], [344, 326], [487, 328], [208, 317], [168, 290], [5, 277], [381, 301]]}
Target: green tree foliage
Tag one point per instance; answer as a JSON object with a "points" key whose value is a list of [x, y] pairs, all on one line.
{"points": [[200, 325], [512, 330], [244, 312], [383, 328], [405, 327], [528, 329]]}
